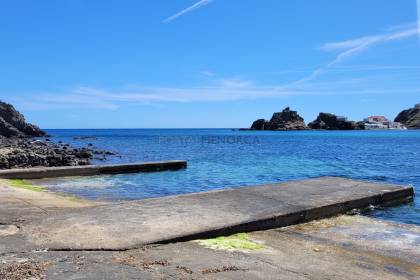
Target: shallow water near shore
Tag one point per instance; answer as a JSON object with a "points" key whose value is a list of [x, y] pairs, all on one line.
{"points": [[225, 158]]}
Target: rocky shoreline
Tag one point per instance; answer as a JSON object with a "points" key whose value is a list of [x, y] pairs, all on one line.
{"points": [[23, 152], [19, 148]]}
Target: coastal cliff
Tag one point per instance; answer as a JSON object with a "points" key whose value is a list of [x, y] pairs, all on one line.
{"points": [[410, 117], [19, 149], [284, 120], [13, 123]]}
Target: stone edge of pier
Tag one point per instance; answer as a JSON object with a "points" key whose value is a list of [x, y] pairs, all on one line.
{"points": [[91, 170]]}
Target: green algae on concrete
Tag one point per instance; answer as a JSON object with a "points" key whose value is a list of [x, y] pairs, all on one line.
{"points": [[239, 241], [22, 184]]}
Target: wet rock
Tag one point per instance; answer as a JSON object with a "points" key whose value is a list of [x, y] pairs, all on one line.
{"points": [[85, 138], [23, 152], [103, 152]]}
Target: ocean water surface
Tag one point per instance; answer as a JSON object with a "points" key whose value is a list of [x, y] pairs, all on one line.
{"points": [[226, 158]]}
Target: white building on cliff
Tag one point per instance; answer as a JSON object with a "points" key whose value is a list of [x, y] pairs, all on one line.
{"points": [[381, 122]]}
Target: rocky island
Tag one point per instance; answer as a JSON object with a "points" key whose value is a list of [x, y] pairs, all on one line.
{"points": [[410, 117], [18, 148], [290, 120], [284, 120], [329, 121]]}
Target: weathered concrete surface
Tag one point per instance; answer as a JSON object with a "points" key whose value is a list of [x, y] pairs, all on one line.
{"points": [[345, 247], [90, 170], [132, 224], [20, 204]]}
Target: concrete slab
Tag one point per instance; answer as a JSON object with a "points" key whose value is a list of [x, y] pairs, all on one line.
{"points": [[186, 217], [17, 204], [90, 170], [343, 247]]}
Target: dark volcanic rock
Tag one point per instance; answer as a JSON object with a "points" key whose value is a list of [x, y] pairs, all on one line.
{"points": [[410, 117], [13, 123], [18, 149], [259, 124], [25, 152], [284, 120], [360, 125], [331, 122]]}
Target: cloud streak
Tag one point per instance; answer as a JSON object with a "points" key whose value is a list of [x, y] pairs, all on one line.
{"points": [[418, 16], [350, 48], [239, 89], [219, 90], [196, 6]]}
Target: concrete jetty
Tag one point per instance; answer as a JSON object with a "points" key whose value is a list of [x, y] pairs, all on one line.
{"points": [[132, 224], [90, 170]]}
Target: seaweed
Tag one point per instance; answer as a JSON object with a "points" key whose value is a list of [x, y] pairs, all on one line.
{"points": [[239, 241]]}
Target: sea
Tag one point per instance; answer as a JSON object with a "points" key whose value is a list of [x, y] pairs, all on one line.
{"points": [[229, 158]]}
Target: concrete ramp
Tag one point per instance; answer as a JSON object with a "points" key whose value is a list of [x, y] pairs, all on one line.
{"points": [[176, 218]]}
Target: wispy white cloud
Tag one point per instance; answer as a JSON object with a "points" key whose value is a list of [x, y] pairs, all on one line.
{"points": [[229, 89], [217, 90], [350, 48], [196, 6], [207, 73], [352, 68], [418, 16], [236, 83]]}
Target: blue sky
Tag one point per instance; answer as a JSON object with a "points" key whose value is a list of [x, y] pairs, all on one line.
{"points": [[209, 63]]}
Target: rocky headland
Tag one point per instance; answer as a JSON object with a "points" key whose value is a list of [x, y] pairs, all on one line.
{"points": [[410, 117], [329, 121], [284, 120], [19, 149], [13, 123]]}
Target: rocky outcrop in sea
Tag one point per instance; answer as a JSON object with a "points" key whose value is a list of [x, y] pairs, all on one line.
{"points": [[410, 117], [284, 120], [19, 148], [329, 121]]}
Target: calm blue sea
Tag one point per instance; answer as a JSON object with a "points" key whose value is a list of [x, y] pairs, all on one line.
{"points": [[225, 158]]}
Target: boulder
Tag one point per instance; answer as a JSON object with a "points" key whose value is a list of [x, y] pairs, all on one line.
{"points": [[332, 122], [410, 117]]}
